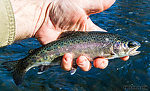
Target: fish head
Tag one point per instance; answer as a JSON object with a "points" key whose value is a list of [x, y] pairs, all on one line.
{"points": [[132, 48], [126, 48]]}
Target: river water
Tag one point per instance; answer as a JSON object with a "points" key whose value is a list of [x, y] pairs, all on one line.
{"points": [[129, 18]]}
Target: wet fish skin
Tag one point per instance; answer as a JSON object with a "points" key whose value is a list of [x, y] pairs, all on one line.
{"points": [[92, 44]]}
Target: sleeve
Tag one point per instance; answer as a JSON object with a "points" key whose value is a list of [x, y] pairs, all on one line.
{"points": [[7, 23]]}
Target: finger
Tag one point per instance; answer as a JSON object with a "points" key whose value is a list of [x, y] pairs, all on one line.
{"points": [[95, 6], [90, 26], [101, 63], [67, 61], [125, 58], [107, 3], [83, 63]]}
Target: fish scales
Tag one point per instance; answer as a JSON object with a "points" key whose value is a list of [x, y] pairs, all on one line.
{"points": [[71, 44], [92, 44]]}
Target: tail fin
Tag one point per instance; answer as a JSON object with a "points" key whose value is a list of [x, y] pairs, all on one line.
{"points": [[16, 70]]}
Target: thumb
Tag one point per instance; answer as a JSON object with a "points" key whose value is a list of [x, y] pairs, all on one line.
{"points": [[94, 6], [90, 26]]}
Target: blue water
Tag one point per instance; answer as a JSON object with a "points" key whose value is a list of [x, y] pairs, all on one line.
{"points": [[129, 18]]}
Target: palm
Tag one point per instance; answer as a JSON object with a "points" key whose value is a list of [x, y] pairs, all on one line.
{"points": [[72, 15]]}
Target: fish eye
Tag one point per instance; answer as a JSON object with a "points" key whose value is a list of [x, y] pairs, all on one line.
{"points": [[132, 44]]}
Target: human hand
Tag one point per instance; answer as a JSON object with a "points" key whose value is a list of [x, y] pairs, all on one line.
{"points": [[72, 15], [50, 18], [84, 63]]}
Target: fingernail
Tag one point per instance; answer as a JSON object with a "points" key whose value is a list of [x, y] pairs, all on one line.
{"points": [[125, 58], [100, 63], [82, 62], [68, 59]]}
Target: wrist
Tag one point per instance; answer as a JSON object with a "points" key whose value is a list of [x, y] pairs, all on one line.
{"points": [[29, 15]]}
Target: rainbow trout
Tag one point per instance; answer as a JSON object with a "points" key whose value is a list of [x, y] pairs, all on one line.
{"points": [[93, 44]]}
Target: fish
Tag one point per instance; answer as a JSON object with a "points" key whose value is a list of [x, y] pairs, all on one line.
{"points": [[92, 44]]}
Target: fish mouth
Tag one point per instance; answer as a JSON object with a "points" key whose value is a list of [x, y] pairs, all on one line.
{"points": [[134, 51]]}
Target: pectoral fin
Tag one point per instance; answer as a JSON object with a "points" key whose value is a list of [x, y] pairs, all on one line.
{"points": [[74, 68]]}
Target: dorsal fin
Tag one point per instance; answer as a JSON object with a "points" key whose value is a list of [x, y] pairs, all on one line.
{"points": [[69, 33]]}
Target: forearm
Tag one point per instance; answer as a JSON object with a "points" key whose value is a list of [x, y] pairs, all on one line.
{"points": [[29, 15]]}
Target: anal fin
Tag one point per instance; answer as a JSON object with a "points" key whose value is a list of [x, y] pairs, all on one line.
{"points": [[73, 71], [43, 68]]}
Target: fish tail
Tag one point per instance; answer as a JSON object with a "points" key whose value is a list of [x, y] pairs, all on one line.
{"points": [[17, 71]]}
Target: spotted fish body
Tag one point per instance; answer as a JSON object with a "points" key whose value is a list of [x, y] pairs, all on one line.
{"points": [[92, 44]]}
